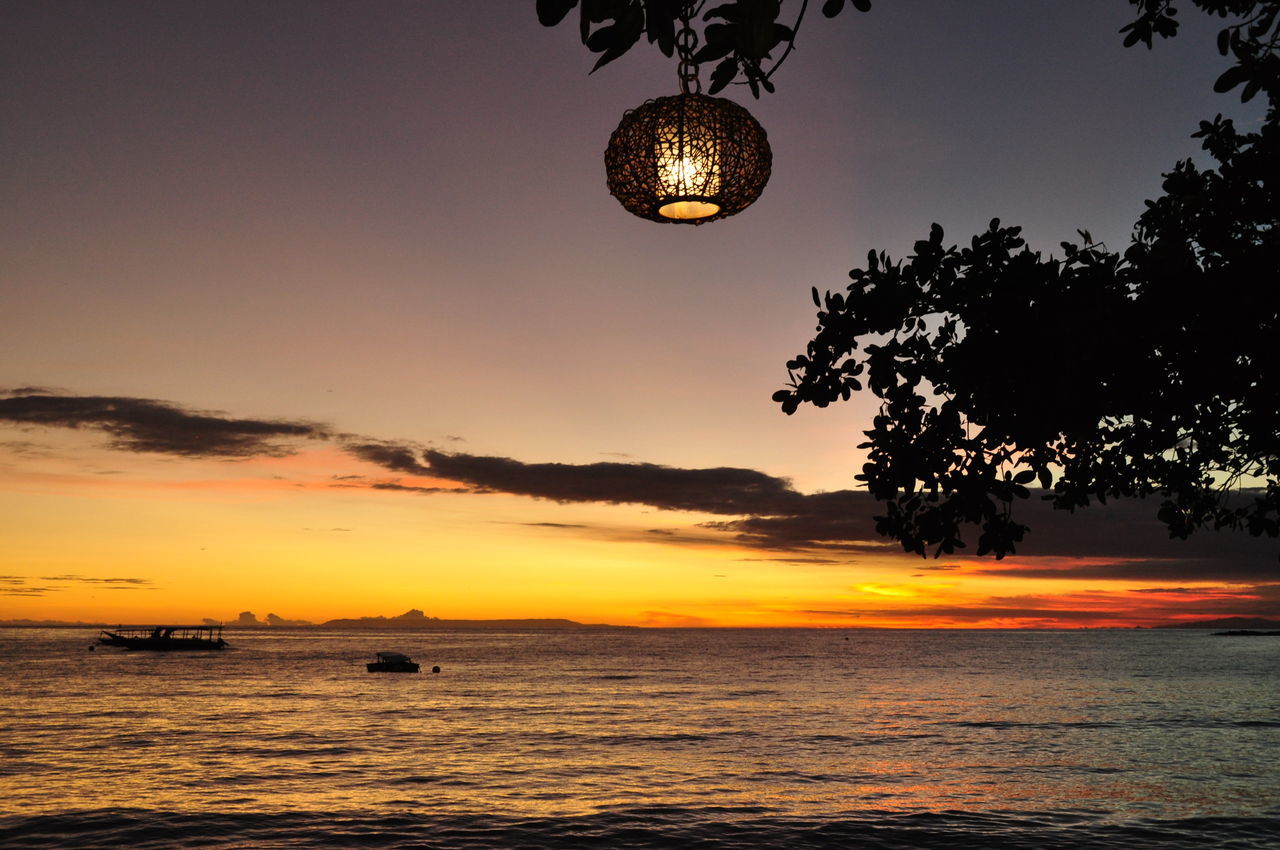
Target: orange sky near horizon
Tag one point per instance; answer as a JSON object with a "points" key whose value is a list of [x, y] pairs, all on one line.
{"points": [[104, 536]]}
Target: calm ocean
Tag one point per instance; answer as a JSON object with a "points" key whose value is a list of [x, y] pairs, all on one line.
{"points": [[645, 738]]}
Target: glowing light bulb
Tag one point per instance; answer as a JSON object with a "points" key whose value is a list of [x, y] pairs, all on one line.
{"points": [[687, 174]]}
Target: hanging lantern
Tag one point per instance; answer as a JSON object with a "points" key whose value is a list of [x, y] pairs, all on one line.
{"points": [[689, 158]]}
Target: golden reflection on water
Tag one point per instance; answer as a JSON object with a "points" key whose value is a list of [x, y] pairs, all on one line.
{"points": [[797, 726]]}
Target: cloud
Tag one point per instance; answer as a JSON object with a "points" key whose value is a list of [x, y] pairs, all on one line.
{"points": [[25, 448], [1194, 565], [276, 620], [672, 620], [17, 586], [20, 586], [398, 457], [408, 488], [798, 561], [1199, 592], [773, 514], [147, 425], [86, 580], [1122, 540], [1098, 606], [842, 521], [1123, 529], [721, 490]]}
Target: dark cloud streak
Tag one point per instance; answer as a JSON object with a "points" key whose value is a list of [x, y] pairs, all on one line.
{"points": [[147, 425], [722, 490], [768, 514], [398, 457], [1194, 566], [408, 488], [1123, 539], [11, 585]]}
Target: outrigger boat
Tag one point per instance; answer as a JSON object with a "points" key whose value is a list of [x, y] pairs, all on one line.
{"points": [[164, 638]]}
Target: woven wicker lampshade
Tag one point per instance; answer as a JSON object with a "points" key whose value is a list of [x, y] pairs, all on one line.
{"points": [[688, 159]]}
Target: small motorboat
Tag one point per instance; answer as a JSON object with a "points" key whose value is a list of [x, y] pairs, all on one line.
{"points": [[392, 662]]}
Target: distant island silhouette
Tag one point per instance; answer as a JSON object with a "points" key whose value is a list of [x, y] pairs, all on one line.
{"points": [[416, 619]]}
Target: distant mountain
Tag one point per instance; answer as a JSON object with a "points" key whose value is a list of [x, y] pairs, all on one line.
{"points": [[415, 619], [1226, 623]]}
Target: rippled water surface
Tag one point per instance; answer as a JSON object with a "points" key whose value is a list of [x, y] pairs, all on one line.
{"points": [[629, 738]]}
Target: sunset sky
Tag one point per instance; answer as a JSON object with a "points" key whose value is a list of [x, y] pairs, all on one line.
{"points": [[323, 309]]}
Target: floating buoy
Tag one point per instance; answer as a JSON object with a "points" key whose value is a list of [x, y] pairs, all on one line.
{"points": [[435, 669]]}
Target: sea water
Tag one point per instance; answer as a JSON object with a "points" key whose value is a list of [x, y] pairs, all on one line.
{"points": [[645, 738]]}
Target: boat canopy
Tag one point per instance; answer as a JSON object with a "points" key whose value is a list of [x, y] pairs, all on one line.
{"points": [[392, 656]]}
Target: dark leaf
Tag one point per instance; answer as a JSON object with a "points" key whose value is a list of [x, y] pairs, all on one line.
{"points": [[1139, 30], [597, 12], [831, 8], [723, 74], [730, 12], [552, 12], [602, 39], [1230, 78], [660, 24], [622, 36], [714, 50]]}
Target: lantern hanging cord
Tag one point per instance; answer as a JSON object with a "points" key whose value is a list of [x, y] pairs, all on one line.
{"points": [[686, 44]]}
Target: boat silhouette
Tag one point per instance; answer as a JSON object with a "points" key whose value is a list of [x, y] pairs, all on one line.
{"points": [[164, 638]]}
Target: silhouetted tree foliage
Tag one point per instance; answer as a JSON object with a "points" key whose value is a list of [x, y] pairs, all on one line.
{"points": [[1097, 374], [739, 36]]}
